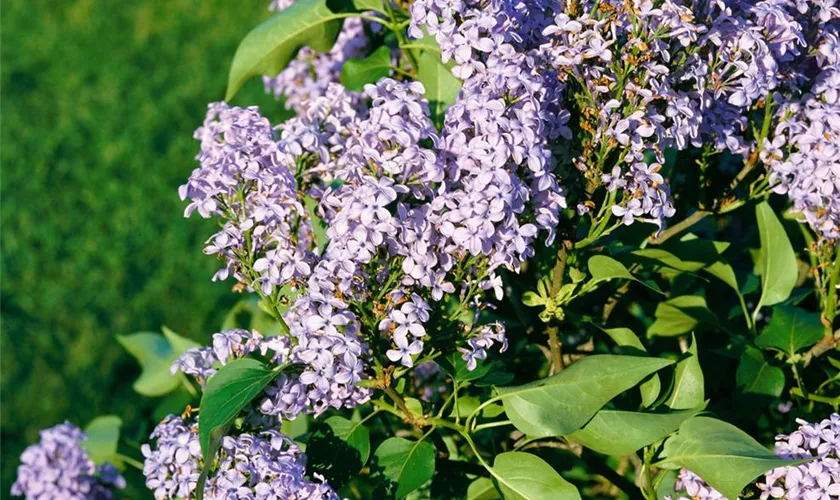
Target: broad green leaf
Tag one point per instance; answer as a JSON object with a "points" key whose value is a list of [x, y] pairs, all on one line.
{"points": [[409, 464], [155, 354], [603, 268], [354, 433], [778, 261], [269, 47], [227, 393], [564, 402], [626, 338], [725, 457], [464, 406], [755, 375], [668, 259], [619, 433], [215, 443], [482, 489], [681, 315], [724, 272], [103, 436], [689, 384], [522, 476], [441, 87], [790, 330], [357, 72]]}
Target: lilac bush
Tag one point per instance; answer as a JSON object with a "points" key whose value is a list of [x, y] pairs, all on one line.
{"points": [[438, 251]]}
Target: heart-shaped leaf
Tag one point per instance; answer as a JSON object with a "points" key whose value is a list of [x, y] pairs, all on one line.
{"points": [[409, 464], [522, 476], [563, 403]]}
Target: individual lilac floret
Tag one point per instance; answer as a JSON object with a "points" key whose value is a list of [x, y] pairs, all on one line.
{"points": [[58, 467], [482, 340], [264, 466], [694, 488]]}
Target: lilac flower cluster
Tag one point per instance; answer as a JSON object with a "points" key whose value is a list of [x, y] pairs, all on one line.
{"points": [[645, 77], [816, 479], [264, 466], [325, 364], [58, 467]]}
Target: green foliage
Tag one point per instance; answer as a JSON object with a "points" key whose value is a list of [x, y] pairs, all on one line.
{"points": [[354, 433], [791, 329], [681, 315], [724, 456], [103, 435], [269, 47], [408, 464], [356, 73], [778, 261], [563, 403], [156, 353], [227, 393], [522, 476], [619, 433], [603, 268], [441, 87], [756, 375], [689, 382]]}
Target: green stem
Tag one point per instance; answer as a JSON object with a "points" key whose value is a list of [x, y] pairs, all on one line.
{"points": [[490, 425]]}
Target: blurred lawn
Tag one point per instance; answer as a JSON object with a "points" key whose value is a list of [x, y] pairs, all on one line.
{"points": [[99, 102]]}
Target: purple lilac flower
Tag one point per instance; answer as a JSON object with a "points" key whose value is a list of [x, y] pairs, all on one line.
{"points": [[267, 465], [58, 467]]}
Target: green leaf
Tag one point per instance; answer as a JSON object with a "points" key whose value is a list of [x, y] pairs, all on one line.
{"points": [[482, 489], [297, 427], [103, 436], [778, 261], [564, 402], [215, 443], [724, 456], [155, 354], [227, 393], [409, 464], [363, 5], [354, 433], [625, 337], [522, 476], [269, 47], [689, 383], [790, 330], [464, 406], [619, 433], [357, 72], [603, 268], [755, 375], [681, 315], [441, 87]]}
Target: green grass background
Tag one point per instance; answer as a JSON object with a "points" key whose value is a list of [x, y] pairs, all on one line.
{"points": [[99, 102]]}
